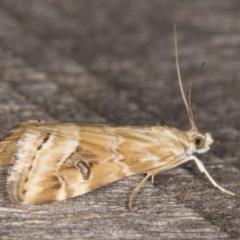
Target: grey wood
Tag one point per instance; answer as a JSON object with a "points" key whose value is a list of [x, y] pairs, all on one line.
{"points": [[100, 61]]}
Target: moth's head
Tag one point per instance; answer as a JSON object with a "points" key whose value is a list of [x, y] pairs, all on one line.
{"points": [[200, 143]]}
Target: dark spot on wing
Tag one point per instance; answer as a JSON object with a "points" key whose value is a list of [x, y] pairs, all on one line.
{"points": [[85, 169], [45, 139]]}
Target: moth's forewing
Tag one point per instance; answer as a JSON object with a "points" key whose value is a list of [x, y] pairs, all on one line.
{"points": [[55, 161]]}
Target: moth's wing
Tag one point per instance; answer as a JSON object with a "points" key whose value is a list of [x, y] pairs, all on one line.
{"points": [[55, 162], [9, 142]]}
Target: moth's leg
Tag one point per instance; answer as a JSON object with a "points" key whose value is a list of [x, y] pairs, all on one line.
{"points": [[130, 201], [152, 179], [149, 174], [204, 170]]}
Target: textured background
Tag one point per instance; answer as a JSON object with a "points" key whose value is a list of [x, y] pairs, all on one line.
{"points": [[101, 61]]}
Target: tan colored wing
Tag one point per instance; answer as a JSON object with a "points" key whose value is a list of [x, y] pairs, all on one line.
{"points": [[9, 142], [54, 161]]}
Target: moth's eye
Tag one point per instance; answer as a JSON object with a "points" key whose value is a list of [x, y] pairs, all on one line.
{"points": [[199, 142]]}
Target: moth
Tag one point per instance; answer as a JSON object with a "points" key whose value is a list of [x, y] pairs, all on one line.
{"points": [[55, 161]]}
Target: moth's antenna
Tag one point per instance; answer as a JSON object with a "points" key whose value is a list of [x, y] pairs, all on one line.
{"points": [[190, 96], [190, 115]]}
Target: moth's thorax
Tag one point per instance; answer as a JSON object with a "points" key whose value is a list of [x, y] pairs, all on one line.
{"points": [[173, 141], [191, 141]]}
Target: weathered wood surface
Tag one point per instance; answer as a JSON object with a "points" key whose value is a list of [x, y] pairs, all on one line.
{"points": [[113, 62]]}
